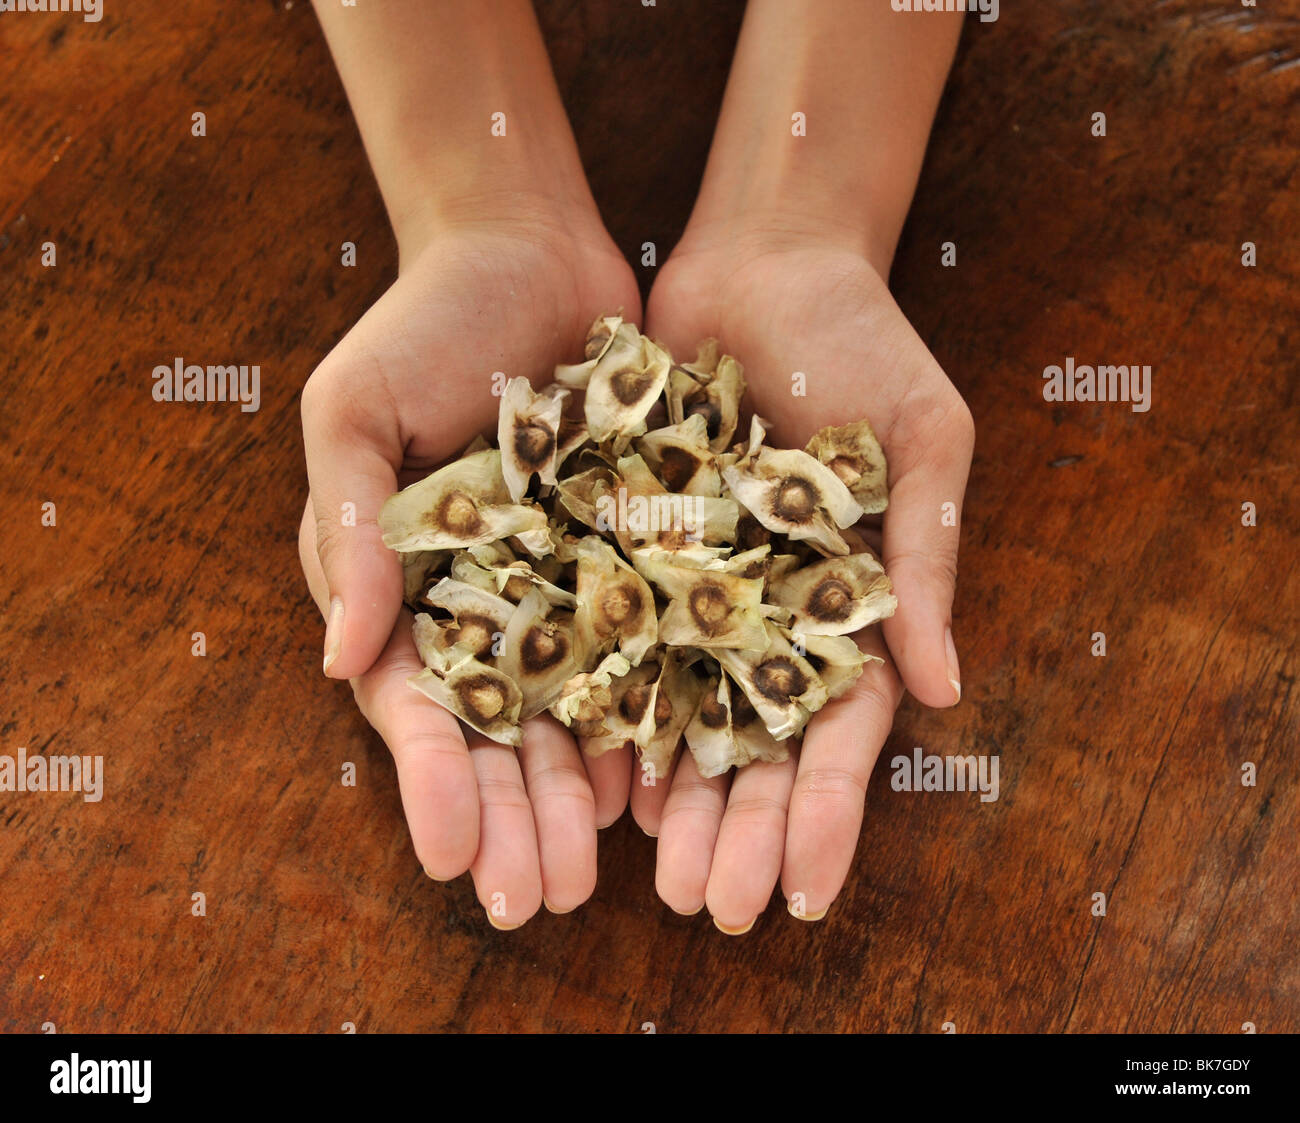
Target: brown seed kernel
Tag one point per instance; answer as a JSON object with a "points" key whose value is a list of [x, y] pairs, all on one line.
{"points": [[534, 443], [709, 606], [542, 649], [847, 469], [630, 385], [779, 679], [597, 339], [712, 712], [633, 704], [742, 710], [482, 696], [457, 514], [676, 467], [795, 500], [712, 414], [832, 599], [750, 534], [516, 587], [621, 602], [475, 632]]}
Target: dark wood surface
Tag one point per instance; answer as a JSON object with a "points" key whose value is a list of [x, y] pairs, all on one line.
{"points": [[1120, 775]]}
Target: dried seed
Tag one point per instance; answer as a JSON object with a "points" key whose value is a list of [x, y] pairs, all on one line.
{"points": [[793, 494], [464, 504], [835, 597], [854, 454], [527, 431], [480, 695]]}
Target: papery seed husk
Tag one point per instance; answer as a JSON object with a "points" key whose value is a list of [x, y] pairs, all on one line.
{"points": [[782, 686], [725, 732], [622, 726], [579, 494], [464, 504], [641, 511], [710, 387], [614, 602], [854, 454], [480, 695], [838, 659], [540, 652], [706, 608], [527, 431], [418, 570], [628, 378], [794, 494], [480, 617], [586, 698], [511, 580], [436, 644], [670, 703], [835, 597], [680, 458]]}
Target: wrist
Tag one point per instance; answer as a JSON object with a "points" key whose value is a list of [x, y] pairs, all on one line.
{"points": [[567, 226], [781, 224]]}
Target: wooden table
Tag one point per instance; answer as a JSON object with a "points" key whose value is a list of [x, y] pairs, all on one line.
{"points": [[1120, 774]]}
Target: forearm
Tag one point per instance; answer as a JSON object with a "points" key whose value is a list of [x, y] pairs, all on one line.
{"points": [[867, 80], [424, 81]]}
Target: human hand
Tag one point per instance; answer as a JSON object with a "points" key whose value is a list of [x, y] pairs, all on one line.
{"points": [[408, 387], [786, 302]]}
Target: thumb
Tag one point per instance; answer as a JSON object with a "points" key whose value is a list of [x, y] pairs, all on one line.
{"points": [[351, 467], [921, 529]]}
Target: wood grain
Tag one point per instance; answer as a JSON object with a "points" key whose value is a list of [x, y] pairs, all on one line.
{"points": [[1120, 775]]}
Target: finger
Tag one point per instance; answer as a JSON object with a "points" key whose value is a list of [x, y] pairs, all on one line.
{"points": [[750, 845], [564, 811], [434, 771], [352, 460], [840, 748], [310, 560], [610, 775], [647, 794], [688, 829], [929, 456], [507, 870]]}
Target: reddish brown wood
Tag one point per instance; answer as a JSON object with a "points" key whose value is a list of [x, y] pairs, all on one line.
{"points": [[1120, 774]]}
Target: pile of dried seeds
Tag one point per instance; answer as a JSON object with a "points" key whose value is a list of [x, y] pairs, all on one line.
{"points": [[619, 561]]}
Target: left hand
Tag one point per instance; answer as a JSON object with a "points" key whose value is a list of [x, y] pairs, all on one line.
{"points": [[783, 304]]}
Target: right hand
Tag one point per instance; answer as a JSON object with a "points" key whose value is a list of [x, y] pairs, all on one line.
{"points": [[408, 387]]}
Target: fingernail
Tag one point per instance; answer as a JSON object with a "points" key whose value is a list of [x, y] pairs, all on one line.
{"points": [[333, 633], [502, 927], [648, 834], [954, 671], [551, 908], [800, 915], [733, 931], [693, 912], [434, 877]]}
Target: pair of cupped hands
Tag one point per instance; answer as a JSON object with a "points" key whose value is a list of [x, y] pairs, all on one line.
{"points": [[411, 384]]}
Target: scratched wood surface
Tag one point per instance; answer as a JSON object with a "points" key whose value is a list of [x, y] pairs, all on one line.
{"points": [[1120, 774]]}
